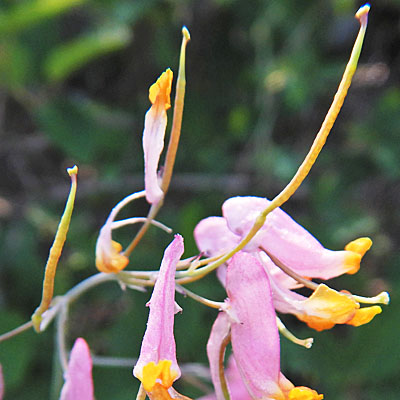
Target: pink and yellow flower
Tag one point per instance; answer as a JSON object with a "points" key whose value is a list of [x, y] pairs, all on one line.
{"points": [[249, 318], [157, 367], [154, 132]]}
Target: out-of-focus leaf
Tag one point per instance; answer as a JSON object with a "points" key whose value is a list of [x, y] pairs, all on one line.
{"points": [[28, 13], [69, 57], [15, 353], [14, 64], [84, 130]]}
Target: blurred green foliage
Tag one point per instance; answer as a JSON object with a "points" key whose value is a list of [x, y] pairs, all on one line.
{"points": [[74, 77]]}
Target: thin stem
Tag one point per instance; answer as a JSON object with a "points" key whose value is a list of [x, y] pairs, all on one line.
{"points": [[381, 298], [200, 299], [307, 343], [178, 113], [141, 395], [55, 252], [172, 145], [60, 336], [8, 335], [288, 271], [224, 386], [314, 151]]}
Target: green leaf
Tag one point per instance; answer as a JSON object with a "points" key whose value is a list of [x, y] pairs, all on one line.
{"points": [[14, 64], [85, 130], [69, 57], [31, 12]]}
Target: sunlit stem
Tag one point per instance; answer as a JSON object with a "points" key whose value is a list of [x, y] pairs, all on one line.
{"points": [[224, 386], [118, 207], [172, 145], [135, 220], [178, 112], [319, 141], [8, 335], [62, 317], [186, 262], [209, 303], [141, 395], [55, 252], [199, 263], [381, 298], [307, 343], [290, 272]]}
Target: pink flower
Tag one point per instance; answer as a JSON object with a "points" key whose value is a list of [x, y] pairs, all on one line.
{"points": [[155, 125], [281, 236], [78, 377], [250, 319], [283, 245], [237, 389], [157, 367]]}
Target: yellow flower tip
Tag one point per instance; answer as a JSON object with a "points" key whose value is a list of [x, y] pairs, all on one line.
{"points": [[362, 14], [360, 245], [185, 33], [327, 307], [304, 393], [364, 315], [160, 91], [73, 170], [357, 248], [115, 263], [160, 373]]}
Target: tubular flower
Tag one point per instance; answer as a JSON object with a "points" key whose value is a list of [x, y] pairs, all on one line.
{"points": [[291, 256], [155, 124], [108, 252], [78, 377], [157, 367], [237, 389], [249, 316]]}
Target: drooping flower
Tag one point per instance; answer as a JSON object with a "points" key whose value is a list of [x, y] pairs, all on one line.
{"points": [[108, 252], [283, 244], [153, 135], [78, 377], [250, 319], [157, 367]]}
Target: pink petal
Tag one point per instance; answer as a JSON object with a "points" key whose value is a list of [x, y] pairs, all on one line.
{"points": [[213, 236], [237, 389], [158, 341], [78, 378], [155, 124], [255, 340], [219, 333], [287, 240]]}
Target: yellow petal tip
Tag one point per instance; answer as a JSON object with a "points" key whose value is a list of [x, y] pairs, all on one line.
{"points": [[357, 249], [73, 170], [304, 393], [186, 33], [160, 91], [364, 315], [362, 14]]}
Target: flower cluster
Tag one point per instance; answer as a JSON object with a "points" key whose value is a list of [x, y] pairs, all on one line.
{"points": [[262, 256]]}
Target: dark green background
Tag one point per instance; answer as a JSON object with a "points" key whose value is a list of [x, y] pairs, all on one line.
{"points": [[261, 75]]}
